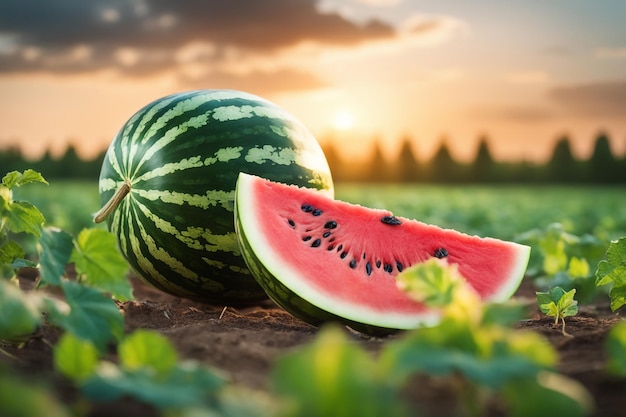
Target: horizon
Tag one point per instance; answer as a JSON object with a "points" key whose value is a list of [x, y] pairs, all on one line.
{"points": [[361, 153], [365, 155], [523, 74]]}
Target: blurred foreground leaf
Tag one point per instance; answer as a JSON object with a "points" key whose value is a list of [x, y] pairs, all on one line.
{"points": [[89, 314], [23, 399], [150, 372], [75, 358], [616, 349], [20, 315], [549, 395], [333, 377], [54, 253], [149, 350]]}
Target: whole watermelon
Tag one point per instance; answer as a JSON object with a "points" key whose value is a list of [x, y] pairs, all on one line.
{"points": [[167, 186]]}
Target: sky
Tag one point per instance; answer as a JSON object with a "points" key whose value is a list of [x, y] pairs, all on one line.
{"points": [[521, 74]]}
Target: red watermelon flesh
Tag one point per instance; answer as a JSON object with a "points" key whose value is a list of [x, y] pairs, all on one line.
{"points": [[343, 258]]}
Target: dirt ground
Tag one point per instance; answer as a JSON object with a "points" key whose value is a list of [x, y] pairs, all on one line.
{"points": [[244, 343]]}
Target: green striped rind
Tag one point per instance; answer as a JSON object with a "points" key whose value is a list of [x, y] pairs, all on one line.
{"points": [[181, 156]]}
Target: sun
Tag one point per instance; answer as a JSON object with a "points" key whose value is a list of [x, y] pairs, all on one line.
{"points": [[343, 120]]}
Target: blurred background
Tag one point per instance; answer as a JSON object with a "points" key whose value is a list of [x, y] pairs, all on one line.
{"points": [[430, 91]]}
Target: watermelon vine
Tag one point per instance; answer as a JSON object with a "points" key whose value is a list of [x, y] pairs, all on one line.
{"points": [[112, 204]]}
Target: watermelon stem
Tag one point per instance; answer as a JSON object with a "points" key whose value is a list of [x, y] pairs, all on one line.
{"points": [[112, 204]]}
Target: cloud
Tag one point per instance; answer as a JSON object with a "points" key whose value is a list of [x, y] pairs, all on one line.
{"points": [[606, 98], [269, 44], [161, 27], [433, 29], [380, 3], [258, 81]]}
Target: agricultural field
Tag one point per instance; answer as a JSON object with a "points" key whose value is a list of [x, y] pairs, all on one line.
{"points": [[264, 353], [503, 212]]}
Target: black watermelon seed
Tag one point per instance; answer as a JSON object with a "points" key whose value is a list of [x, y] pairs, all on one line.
{"points": [[291, 223], [332, 239], [326, 234], [316, 212], [340, 247], [316, 243], [331, 224], [388, 268], [331, 247], [441, 253], [353, 263], [399, 266], [368, 268], [306, 238], [343, 255], [378, 263], [307, 208], [391, 220]]}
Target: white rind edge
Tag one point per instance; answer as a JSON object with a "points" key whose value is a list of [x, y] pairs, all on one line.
{"points": [[260, 244], [521, 263]]}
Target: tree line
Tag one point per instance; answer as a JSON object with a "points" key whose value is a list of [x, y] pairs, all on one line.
{"points": [[602, 166], [68, 166]]}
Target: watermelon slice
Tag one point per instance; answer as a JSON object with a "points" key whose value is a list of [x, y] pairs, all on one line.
{"points": [[328, 260]]}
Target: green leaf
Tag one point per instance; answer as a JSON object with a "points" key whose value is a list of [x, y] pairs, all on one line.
{"points": [[578, 268], [22, 216], [55, 248], [432, 282], [10, 179], [503, 314], [17, 179], [22, 263], [567, 305], [97, 257], [612, 270], [26, 399], [558, 303], [20, 314], [75, 358], [488, 355], [12, 254], [553, 246], [618, 295], [147, 349], [615, 346], [92, 315], [333, 377], [257, 404], [11, 251], [187, 385], [547, 394], [6, 197]]}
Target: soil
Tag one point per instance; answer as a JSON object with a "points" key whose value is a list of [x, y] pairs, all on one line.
{"points": [[244, 343]]}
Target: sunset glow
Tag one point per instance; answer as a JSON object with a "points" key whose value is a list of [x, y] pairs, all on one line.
{"points": [[343, 120], [521, 73]]}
